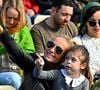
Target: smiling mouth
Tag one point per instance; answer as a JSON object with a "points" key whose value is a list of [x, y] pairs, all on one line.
{"points": [[49, 54]]}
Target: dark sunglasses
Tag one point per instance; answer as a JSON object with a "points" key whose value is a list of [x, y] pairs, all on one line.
{"points": [[51, 44], [94, 23]]}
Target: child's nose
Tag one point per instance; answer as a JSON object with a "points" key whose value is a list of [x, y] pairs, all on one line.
{"points": [[69, 60]]}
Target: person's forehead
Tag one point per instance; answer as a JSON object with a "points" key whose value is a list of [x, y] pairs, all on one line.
{"points": [[12, 12], [64, 7], [76, 53], [96, 15], [61, 41]]}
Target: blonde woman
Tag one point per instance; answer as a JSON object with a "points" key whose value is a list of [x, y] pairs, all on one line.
{"points": [[13, 19]]}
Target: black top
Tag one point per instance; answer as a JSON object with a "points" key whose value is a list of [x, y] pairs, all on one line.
{"points": [[25, 62]]}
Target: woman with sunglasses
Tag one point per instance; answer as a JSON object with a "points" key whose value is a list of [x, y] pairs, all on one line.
{"points": [[53, 57], [89, 34], [72, 76]]}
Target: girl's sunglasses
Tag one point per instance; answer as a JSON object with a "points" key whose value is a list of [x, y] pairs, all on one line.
{"points": [[94, 23], [58, 49]]}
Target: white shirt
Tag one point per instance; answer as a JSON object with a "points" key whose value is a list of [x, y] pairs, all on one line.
{"points": [[93, 47], [76, 82]]}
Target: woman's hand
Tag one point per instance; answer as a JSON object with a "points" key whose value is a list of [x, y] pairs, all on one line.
{"points": [[39, 61]]}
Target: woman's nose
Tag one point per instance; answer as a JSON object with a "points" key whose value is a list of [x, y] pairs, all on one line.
{"points": [[11, 21], [53, 49]]}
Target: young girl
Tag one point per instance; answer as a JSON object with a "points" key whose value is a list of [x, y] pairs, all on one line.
{"points": [[72, 76]]}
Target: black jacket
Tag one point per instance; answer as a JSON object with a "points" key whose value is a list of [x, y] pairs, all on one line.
{"points": [[24, 61]]}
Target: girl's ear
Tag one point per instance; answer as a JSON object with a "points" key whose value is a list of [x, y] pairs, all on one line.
{"points": [[83, 66]]}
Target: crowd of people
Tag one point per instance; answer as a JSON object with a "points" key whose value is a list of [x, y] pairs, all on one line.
{"points": [[59, 53], [13, 19]]}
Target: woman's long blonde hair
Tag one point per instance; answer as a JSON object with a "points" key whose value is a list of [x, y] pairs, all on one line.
{"points": [[18, 5]]}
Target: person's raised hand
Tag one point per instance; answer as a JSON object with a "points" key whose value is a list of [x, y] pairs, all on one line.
{"points": [[39, 61]]}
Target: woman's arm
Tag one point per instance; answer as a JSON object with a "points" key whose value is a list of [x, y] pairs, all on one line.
{"points": [[25, 61], [39, 73]]}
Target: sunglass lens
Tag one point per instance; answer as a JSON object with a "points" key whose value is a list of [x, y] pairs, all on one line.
{"points": [[58, 50], [92, 23], [50, 44]]}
